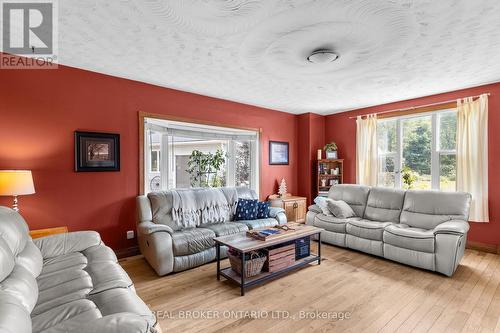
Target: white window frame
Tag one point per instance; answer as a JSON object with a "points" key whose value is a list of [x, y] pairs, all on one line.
{"points": [[158, 158], [397, 155], [168, 164], [436, 152]]}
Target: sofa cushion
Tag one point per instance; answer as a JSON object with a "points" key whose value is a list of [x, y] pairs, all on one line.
{"points": [[427, 209], [246, 210], [228, 228], [366, 245], [99, 253], [331, 223], [49, 281], [192, 240], [409, 238], [384, 204], [367, 229], [72, 284], [355, 195], [181, 263], [259, 223], [73, 260], [340, 209], [107, 275], [82, 310], [423, 260], [120, 300]]}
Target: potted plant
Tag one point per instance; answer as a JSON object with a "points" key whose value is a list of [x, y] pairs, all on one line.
{"points": [[409, 177], [206, 169], [331, 150]]}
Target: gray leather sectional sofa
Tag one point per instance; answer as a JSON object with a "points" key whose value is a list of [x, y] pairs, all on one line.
{"points": [[425, 229], [64, 283], [169, 248]]}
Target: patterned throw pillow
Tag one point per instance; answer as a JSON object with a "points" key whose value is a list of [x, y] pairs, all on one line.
{"points": [[263, 209], [246, 210], [322, 203]]}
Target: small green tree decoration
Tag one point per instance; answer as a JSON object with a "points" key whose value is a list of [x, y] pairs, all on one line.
{"points": [[205, 168]]}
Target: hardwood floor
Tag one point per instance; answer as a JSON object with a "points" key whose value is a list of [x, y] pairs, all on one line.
{"points": [[379, 295]]}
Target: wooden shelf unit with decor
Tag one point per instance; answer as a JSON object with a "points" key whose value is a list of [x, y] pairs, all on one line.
{"points": [[326, 177], [295, 207]]}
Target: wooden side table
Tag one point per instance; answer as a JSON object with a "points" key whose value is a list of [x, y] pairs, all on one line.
{"points": [[47, 232], [295, 207]]}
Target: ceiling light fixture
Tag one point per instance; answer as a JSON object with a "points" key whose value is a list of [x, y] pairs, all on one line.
{"points": [[322, 56]]}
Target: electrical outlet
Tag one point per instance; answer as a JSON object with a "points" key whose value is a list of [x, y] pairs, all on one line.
{"points": [[130, 234]]}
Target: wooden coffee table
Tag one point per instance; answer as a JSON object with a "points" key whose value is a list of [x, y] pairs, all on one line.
{"points": [[244, 244]]}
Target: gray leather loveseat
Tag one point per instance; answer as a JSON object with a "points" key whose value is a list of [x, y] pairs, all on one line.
{"points": [[426, 229], [64, 283], [170, 248]]}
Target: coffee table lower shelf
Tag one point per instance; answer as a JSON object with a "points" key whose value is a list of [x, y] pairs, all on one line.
{"points": [[231, 275]]}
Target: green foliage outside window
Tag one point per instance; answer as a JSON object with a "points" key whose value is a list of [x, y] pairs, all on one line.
{"points": [[417, 151], [205, 169]]}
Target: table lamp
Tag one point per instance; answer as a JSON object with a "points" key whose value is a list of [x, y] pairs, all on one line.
{"points": [[16, 182]]}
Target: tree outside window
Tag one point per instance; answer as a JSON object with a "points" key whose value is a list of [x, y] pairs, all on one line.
{"points": [[418, 152]]}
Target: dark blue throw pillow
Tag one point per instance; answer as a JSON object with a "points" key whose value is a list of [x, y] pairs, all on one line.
{"points": [[263, 209], [246, 210]]}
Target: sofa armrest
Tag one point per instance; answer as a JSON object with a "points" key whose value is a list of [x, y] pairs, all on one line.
{"points": [[457, 227], [148, 227], [315, 208], [57, 245], [279, 214], [274, 211], [122, 322]]}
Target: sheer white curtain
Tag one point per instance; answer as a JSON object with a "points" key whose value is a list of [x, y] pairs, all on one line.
{"points": [[472, 154], [366, 150]]}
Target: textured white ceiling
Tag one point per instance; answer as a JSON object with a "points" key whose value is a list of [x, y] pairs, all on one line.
{"points": [[254, 51]]}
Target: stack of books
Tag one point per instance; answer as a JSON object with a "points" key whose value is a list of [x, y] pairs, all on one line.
{"points": [[263, 234]]}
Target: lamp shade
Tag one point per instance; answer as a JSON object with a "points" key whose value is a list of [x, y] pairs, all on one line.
{"points": [[16, 182]]}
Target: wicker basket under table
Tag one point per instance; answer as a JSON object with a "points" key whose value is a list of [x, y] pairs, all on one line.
{"points": [[253, 266]]}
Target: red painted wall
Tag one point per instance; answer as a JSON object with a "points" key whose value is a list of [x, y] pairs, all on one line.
{"points": [[311, 137], [342, 130], [40, 110]]}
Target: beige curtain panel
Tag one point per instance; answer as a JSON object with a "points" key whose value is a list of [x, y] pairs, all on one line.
{"points": [[366, 150], [472, 154]]}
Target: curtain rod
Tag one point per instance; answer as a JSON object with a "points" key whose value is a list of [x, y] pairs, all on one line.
{"points": [[416, 107]]}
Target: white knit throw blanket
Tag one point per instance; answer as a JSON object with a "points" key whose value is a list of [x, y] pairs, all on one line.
{"points": [[192, 207], [232, 199]]}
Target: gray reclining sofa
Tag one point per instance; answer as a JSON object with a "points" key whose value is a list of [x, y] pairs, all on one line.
{"points": [[169, 248], [425, 229], [64, 283]]}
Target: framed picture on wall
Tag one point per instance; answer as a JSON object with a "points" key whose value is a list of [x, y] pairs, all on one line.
{"points": [[278, 153], [97, 151]]}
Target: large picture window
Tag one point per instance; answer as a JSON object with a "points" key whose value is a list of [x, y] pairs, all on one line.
{"points": [[418, 151], [182, 155]]}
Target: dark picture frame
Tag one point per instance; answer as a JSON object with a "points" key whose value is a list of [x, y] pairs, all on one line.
{"points": [[279, 153], [95, 151]]}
